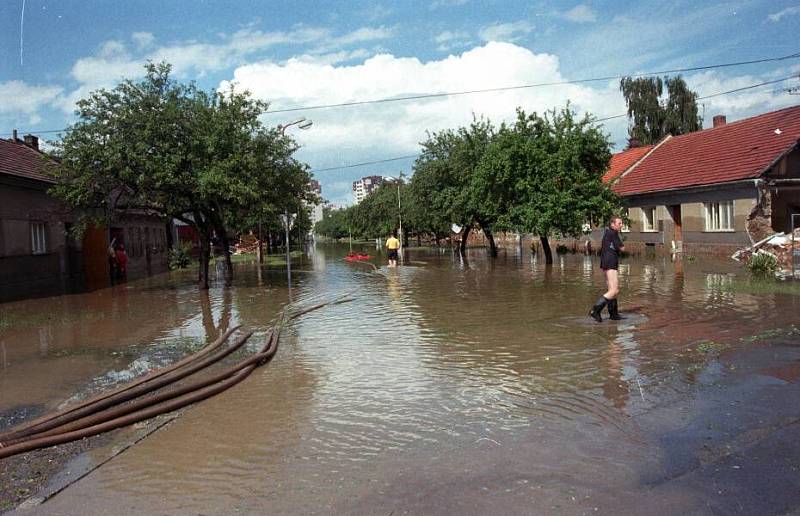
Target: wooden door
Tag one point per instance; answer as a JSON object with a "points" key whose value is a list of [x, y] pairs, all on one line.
{"points": [[95, 257]]}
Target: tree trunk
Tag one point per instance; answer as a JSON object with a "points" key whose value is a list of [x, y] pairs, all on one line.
{"points": [[462, 248], [490, 238], [419, 240], [228, 263], [202, 274], [548, 254]]}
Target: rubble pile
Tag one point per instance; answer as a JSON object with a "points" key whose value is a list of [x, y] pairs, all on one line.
{"points": [[246, 244], [778, 245]]}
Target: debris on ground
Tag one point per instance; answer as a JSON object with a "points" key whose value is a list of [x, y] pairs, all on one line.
{"points": [[777, 245]]}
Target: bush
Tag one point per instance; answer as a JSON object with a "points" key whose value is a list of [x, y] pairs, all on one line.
{"points": [[180, 257], [762, 264], [562, 249]]}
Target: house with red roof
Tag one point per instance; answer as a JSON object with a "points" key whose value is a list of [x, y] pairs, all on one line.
{"points": [[38, 254], [713, 190]]}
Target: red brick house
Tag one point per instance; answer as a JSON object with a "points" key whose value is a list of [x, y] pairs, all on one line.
{"points": [[714, 190], [37, 254]]}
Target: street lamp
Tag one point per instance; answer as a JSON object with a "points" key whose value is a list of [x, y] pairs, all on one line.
{"points": [[301, 123], [399, 213]]}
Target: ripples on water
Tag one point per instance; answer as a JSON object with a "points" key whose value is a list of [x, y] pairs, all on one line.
{"points": [[438, 355]]}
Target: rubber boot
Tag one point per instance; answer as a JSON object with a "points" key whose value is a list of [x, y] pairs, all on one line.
{"points": [[613, 310], [598, 308]]}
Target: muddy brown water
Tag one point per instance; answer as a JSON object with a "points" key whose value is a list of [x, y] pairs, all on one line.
{"points": [[447, 385]]}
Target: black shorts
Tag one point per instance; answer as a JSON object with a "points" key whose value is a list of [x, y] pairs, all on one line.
{"points": [[609, 261], [393, 254]]}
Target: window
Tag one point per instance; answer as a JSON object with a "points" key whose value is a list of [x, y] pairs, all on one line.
{"points": [[649, 219], [625, 217], [38, 238], [719, 216]]}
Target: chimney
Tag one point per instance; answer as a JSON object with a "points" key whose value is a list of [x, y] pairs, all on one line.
{"points": [[14, 136], [633, 143], [720, 120], [32, 141]]}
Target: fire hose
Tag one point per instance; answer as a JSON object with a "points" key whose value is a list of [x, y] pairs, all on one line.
{"points": [[110, 411], [27, 428]]}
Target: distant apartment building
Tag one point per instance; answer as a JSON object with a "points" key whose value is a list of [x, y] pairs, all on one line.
{"points": [[364, 186], [316, 209]]}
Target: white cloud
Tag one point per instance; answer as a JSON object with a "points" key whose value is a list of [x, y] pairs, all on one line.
{"points": [[789, 11], [143, 39], [27, 99], [509, 32], [580, 14], [741, 104], [114, 60], [449, 40], [388, 129]]}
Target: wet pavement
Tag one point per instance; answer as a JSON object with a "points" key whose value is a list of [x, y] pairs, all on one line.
{"points": [[446, 386]]}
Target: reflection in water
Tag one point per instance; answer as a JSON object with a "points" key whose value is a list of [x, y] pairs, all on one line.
{"points": [[426, 362]]}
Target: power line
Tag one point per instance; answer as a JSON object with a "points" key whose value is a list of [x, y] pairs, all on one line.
{"points": [[366, 163], [506, 88], [536, 85], [750, 87]]}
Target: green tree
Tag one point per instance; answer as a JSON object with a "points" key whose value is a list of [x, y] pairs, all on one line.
{"points": [[544, 175], [652, 115], [335, 223], [171, 149], [377, 214], [449, 160]]}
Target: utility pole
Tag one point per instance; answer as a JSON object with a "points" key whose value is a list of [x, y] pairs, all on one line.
{"points": [[288, 256]]}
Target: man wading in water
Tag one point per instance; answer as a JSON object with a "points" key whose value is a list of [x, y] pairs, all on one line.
{"points": [[609, 262], [393, 244]]}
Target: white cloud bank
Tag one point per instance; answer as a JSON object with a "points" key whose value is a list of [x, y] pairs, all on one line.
{"points": [[27, 100], [346, 135], [116, 60], [395, 128]]}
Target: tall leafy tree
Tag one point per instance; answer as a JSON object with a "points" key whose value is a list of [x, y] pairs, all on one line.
{"points": [[378, 214], [652, 114], [168, 148], [544, 175], [449, 160]]}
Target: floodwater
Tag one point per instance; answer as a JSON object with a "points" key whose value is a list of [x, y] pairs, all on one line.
{"points": [[445, 386]]}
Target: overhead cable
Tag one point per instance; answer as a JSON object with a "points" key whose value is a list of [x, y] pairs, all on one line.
{"points": [[528, 86], [750, 87]]}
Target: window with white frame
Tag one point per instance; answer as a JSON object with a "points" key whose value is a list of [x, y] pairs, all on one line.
{"points": [[649, 218], [719, 216], [38, 238]]}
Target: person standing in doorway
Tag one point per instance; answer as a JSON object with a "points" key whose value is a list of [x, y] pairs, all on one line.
{"points": [[609, 262], [122, 263], [111, 255], [393, 245]]}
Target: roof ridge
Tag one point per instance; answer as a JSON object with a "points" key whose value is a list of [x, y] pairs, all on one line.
{"points": [[737, 122]]}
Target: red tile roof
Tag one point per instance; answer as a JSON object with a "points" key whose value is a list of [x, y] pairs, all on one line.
{"points": [[739, 150], [622, 161], [17, 159]]}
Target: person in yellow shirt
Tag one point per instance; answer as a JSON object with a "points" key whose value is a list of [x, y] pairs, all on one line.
{"points": [[393, 244]]}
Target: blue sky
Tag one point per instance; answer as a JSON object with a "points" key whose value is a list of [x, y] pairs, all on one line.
{"points": [[296, 54]]}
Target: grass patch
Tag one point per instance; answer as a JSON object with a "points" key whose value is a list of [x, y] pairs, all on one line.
{"points": [[31, 318], [759, 286], [789, 331], [709, 347], [762, 264]]}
